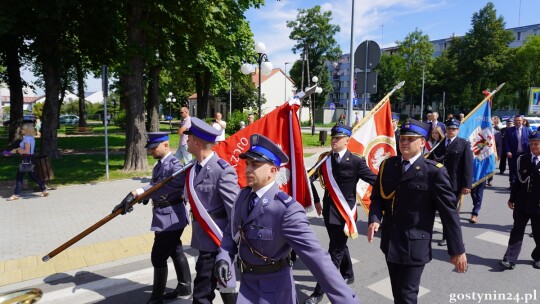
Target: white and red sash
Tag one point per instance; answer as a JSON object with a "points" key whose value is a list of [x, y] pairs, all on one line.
{"points": [[348, 215], [205, 220]]}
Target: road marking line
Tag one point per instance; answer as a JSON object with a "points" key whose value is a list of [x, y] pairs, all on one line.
{"points": [[494, 237], [384, 288]]}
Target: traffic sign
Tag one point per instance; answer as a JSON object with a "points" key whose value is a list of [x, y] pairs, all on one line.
{"points": [[332, 106], [373, 52], [371, 83]]}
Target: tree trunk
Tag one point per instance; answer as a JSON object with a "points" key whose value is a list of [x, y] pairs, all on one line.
{"points": [[80, 87], [51, 77], [134, 89], [202, 86], [10, 44], [152, 108]]}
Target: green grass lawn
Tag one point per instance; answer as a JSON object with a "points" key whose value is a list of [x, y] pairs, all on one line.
{"points": [[87, 168]]}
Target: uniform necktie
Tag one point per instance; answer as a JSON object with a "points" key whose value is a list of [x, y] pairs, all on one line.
{"points": [[157, 167], [536, 160], [404, 165], [198, 168], [448, 142], [519, 147], [252, 201], [336, 156]]}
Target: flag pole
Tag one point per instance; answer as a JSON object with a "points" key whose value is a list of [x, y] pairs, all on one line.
{"points": [[363, 121], [378, 106], [484, 100]]}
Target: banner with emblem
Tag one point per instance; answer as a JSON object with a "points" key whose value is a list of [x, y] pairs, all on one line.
{"points": [[374, 139], [283, 127], [476, 127]]}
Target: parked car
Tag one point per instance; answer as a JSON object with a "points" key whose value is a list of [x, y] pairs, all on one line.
{"points": [[27, 118], [534, 122], [69, 119]]}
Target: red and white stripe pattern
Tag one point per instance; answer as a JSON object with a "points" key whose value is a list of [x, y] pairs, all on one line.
{"points": [[346, 213], [200, 213]]}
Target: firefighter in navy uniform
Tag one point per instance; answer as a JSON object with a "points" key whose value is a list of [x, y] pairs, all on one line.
{"points": [[457, 157], [168, 221], [408, 191], [346, 170], [266, 223], [525, 201]]}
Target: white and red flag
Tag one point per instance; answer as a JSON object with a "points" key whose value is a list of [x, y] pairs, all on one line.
{"points": [[283, 128], [374, 139]]}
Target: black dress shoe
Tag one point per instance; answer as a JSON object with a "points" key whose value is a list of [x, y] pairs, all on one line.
{"points": [[349, 281], [313, 299], [442, 242], [507, 265], [536, 264]]}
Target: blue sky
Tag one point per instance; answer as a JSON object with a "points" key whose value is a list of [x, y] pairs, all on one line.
{"points": [[384, 21]]}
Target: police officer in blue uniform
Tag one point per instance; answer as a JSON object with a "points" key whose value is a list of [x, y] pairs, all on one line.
{"points": [[347, 170], [525, 201], [168, 221], [266, 224], [408, 191], [457, 157], [215, 187]]}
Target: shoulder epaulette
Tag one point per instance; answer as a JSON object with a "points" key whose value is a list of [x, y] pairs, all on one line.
{"points": [[285, 198], [223, 163], [174, 161], [434, 163]]}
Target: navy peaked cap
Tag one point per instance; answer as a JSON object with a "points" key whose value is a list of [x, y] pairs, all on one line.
{"points": [[202, 130], [340, 130], [452, 123], [155, 138], [264, 150], [413, 127]]}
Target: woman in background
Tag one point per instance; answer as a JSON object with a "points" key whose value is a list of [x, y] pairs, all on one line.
{"points": [[26, 150], [435, 136]]}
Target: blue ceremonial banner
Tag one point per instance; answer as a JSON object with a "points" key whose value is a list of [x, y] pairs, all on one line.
{"points": [[477, 129]]}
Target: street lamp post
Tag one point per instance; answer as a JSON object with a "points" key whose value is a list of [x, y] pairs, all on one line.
{"points": [[314, 79], [422, 98], [265, 67], [170, 99]]}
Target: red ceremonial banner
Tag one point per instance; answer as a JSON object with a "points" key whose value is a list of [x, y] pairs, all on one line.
{"points": [[282, 126]]}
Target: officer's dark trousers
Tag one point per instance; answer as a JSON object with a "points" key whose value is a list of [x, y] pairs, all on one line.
{"points": [[336, 249], [502, 162], [166, 244], [521, 219], [405, 280], [477, 195], [204, 284]]}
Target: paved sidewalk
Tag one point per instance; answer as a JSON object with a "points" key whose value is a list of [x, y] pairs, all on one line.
{"points": [[33, 226]]}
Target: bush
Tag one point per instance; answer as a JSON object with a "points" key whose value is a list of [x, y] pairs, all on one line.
{"points": [[120, 119], [233, 122]]}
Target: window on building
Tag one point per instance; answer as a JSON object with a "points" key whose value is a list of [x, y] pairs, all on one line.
{"points": [[518, 36]]}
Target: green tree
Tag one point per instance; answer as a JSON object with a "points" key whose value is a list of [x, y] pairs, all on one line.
{"points": [[416, 50], [480, 56], [391, 71], [244, 95], [314, 35]]}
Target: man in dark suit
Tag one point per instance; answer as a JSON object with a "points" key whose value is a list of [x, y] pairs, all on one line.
{"points": [[436, 123], [211, 188], [266, 224], [168, 220], [502, 157], [407, 192], [456, 155], [339, 174], [525, 201], [515, 144]]}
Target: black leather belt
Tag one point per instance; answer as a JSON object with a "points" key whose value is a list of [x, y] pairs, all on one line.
{"points": [[264, 269], [166, 204]]}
